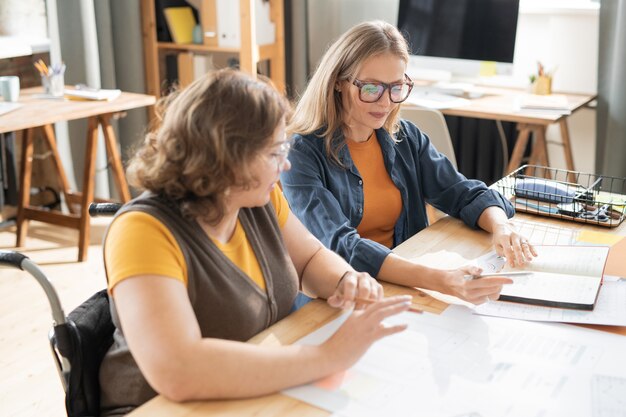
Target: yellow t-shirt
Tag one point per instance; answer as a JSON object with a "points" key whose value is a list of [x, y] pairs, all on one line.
{"points": [[139, 244], [382, 202]]}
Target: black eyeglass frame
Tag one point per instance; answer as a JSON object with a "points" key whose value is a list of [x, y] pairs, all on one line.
{"points": [[359, 84]]}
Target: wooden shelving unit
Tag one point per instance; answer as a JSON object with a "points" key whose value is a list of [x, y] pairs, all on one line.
{"points": [[250, 54]]}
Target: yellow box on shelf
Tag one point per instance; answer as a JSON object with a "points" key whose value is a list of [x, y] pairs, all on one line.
{"points": [[180, 22]]}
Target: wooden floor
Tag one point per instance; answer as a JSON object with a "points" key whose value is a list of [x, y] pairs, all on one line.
{"points": [[29, 383]]}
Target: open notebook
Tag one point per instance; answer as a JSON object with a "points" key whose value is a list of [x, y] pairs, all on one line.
{"points": [[563, 276]]}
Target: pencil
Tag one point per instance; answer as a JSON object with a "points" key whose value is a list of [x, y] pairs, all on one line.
{"points": [[368, 301], [499, 274]]}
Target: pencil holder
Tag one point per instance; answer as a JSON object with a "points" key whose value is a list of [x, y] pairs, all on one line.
{"points": [[542, 85], [53, 85]]}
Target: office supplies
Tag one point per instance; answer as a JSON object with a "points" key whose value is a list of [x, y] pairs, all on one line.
{"points": [[537, 205], [434, 100], [598, 214], [447, 363], [545, 190], [568, 195], [556, 103], [180, 21], [92, 94], [499, 274], [563, 276], [41, 66], [369, 301]]}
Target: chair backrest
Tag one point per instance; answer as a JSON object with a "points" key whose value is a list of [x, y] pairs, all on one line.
{"points": [[84, 340], [432, 123]]}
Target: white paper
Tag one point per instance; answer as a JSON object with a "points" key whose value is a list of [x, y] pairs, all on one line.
{"points": [[6, 107], [459, 364], [563, 274]]}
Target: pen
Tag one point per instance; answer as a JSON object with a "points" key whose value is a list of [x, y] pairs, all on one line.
{"points": [[370, 301], [498, 274]]}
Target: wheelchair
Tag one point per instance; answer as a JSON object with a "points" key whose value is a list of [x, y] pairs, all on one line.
{"points": [[80, 340]]}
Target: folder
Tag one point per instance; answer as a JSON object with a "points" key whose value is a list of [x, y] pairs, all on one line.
{"points": [[180, 22]]}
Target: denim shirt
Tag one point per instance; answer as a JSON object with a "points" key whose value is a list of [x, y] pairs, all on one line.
{"points": [[328, 199]]}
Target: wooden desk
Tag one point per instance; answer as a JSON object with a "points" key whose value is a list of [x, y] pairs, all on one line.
{"points": [[447, 234], [499, 104], [41, 113]]}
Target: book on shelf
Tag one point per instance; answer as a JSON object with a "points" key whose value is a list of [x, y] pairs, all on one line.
{"points": [[92, 94], [180, 22], [562, 276], [556, 103]]}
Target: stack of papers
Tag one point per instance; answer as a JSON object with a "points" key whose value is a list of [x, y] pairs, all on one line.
{"points": [[554, 103], [92, 94]]}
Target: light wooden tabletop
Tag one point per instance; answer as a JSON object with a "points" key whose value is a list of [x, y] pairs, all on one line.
{"points": [[37, 110], [499, 103], [447, 234]]}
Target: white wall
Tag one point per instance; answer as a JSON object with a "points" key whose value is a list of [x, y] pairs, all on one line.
{"points": [[563, 35]]}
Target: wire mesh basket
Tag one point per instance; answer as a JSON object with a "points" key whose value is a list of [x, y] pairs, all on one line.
{"points": [[568, 195]]}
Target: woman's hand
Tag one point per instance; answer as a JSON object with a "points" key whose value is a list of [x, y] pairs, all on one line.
{"points": [[363, 328], [353, 286], [513, 246], [476, 291]]}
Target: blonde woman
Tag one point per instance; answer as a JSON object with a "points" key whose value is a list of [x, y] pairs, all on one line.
{"points": [[360, 176], [210, 255]]}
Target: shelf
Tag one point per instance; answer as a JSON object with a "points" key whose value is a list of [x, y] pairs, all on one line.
{"points": [[192, 47], [249, 53]]}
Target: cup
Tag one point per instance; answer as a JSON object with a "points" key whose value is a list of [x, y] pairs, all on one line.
{"points": [[53, 85], [10, 87]]}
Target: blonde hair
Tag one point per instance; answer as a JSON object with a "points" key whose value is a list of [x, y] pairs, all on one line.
{"points": [[320, 105], [209, 133]]}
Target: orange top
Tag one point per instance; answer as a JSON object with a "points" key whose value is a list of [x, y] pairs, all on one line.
{"points": [[382, 201]]}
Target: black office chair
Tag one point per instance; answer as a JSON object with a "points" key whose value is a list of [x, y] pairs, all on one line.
{"points": [[80, 340]]}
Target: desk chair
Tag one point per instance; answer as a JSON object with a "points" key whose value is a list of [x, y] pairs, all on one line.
{"points": [[432, 123]]}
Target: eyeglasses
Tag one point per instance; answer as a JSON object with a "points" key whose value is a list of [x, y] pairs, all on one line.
{"points": [[372, 91], [282, 151]]}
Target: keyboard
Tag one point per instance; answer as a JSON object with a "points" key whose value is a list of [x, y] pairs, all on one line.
{"points": [[435, 100]]}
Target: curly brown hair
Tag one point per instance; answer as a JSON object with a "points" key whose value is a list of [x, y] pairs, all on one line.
{"points": [[208, 135]]}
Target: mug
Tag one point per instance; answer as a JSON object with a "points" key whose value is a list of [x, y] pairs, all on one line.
{"points": [[10, 87]]}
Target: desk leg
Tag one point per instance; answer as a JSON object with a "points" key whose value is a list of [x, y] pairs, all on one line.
{"points": [[567, 149], [88, 187], [114, 158], [26, 171], [520, 147], [539, 155], [48, 131]]}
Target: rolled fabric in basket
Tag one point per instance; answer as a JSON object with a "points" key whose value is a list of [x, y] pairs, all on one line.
{"points": [[545, 190]]}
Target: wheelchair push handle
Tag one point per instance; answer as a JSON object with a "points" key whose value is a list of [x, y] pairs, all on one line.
{"points": [[20, 261], [12, 259], [103, 209]]}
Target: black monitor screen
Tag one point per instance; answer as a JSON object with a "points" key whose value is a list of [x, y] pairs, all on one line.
{"points": [[481, 30]]}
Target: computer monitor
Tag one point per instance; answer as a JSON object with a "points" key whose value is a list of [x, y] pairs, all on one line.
{"points": [[456, 36]]}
